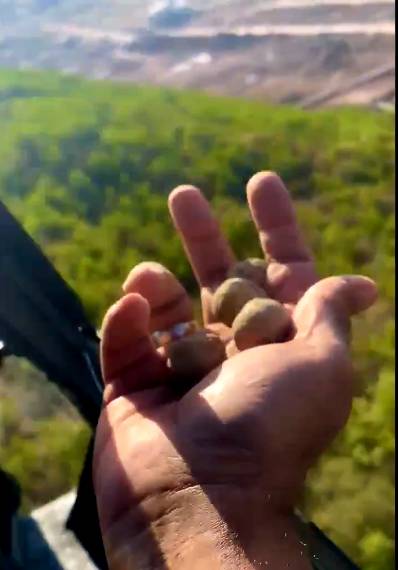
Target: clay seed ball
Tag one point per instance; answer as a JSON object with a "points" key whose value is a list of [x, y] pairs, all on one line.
{"points": [[231, 296], [261, 321], [254, 269], [196, 355]]}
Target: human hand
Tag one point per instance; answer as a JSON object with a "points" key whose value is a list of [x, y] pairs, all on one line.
{"points": [[211, 477]]}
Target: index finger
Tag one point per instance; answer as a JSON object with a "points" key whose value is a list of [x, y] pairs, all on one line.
{"points": [[273, 213], [208, 251]]}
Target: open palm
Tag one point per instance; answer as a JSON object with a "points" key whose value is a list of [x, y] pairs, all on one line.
{"points": [[243, 438]]}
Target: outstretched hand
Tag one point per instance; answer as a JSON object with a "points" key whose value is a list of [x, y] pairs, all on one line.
{"points": [[210, 477]]}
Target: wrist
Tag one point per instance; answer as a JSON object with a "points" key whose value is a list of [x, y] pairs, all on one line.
{"points": [[185, 530]]}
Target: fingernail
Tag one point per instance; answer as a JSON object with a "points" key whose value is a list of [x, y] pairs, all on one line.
{"points": [[365, 291], [142, 269]]}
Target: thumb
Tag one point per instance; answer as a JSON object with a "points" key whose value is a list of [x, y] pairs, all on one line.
{"points": [[130, 363], [325, 310]]}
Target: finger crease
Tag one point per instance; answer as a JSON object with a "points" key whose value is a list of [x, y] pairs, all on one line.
{"points": [[169, 306], [212, 235], [290, 259]]}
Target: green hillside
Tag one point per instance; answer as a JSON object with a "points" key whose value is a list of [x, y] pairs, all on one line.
{"points": [[87, 167]]}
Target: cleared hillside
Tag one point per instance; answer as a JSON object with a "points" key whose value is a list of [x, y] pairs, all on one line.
{"points": [[275, 50]]}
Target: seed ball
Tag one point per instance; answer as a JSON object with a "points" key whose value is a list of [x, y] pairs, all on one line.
{"points": [[231, 296], [196, 355], [261, 321], [254, 269]]}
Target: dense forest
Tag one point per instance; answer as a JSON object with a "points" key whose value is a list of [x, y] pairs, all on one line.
{"points": [[87, 166]]}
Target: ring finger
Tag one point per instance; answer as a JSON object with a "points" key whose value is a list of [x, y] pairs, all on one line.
{"points": [[169, 302]]}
